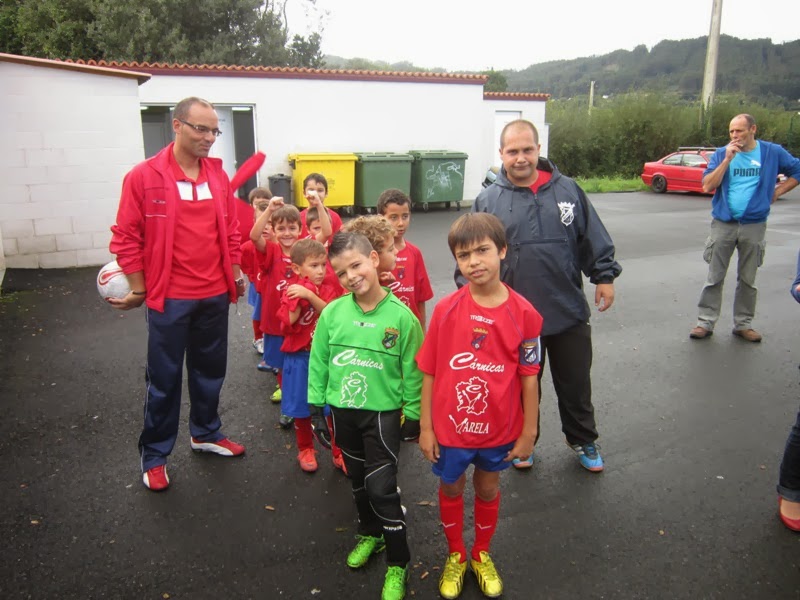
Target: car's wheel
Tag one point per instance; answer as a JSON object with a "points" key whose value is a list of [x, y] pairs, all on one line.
{"points": [[659, 184]]}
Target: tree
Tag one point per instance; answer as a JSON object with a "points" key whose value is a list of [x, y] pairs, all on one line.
{"points": [[497, 81], [306, 52], [241, 32], [50, 28]]}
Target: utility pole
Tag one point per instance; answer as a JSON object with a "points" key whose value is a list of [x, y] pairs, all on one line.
{"points": [[710, 73], [591, 97]]}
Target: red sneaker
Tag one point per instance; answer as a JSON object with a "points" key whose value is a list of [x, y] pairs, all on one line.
{"points": [[308, 460], [338, 462], [156, 479], [223, 447], [793, 524]]}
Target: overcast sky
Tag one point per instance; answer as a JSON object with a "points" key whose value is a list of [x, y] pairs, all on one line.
{"points": [[513, 34]]}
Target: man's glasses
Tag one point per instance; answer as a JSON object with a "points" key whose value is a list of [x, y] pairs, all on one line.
{"points": [[201, 129]]}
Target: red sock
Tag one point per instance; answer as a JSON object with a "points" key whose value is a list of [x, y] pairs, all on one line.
{"points": [[257, 335], [451, 512], [486, 514], [279, 375], [302, 432]]}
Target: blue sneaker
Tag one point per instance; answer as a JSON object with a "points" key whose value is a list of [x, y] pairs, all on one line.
{"points": [[263, 366], [589, 456], [523, 463]]}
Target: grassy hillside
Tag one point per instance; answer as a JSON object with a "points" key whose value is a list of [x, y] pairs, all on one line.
{"points": [[757, 69]]}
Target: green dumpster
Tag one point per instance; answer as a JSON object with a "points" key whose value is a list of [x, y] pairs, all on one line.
{"points": [[379, 171], [437, 176]]}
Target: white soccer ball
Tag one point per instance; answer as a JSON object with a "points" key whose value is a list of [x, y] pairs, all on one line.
{"points": [[111, 281]]}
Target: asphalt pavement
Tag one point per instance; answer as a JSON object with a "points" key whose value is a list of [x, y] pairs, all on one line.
{"points": [[691, 431]]}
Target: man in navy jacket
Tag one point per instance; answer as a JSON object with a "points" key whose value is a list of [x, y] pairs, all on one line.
{"points": [[555, 237], [742, 176]]}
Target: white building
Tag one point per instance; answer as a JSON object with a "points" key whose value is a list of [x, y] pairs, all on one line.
{"points": [[77, 128], [72, 131]]}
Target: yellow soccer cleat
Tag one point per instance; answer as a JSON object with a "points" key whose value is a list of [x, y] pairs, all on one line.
{"points": [[488, 578], [452, 580]]}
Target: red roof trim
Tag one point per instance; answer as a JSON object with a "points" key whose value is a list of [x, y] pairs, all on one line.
{"points": [[287, 72], [94, 69], [515, 96]]}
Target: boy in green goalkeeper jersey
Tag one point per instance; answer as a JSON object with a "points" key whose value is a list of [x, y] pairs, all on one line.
{"points": [[362, 365]]}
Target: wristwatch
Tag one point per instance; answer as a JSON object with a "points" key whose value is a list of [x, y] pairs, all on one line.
{"points": [[239, 281]]}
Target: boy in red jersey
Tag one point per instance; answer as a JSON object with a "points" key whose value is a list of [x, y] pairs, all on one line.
{"points": [[275, 263], [316, 183], [259, 199], [301, 303], [479, 405], [411, 283]]}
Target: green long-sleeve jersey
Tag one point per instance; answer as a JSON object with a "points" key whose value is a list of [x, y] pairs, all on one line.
{"points": [[366, 360]]}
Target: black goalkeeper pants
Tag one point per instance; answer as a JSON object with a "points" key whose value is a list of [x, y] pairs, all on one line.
{"points": [[370, 443]]}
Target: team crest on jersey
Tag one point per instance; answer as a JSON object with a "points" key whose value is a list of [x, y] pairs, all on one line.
{"points": [[401, 273], [567, 212], [478, 336], [288, 273], [529, 353], [354, 390], [390, 337], [472, 396]]}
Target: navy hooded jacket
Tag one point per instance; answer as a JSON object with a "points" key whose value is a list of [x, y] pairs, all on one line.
{"points": [[553, 236]]}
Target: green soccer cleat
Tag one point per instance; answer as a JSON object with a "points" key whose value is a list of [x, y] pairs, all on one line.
{"points": [[394, 586], [277, 396], [366, 547]]}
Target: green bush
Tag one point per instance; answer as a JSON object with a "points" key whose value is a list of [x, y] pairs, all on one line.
{"points": [[621, 133]]}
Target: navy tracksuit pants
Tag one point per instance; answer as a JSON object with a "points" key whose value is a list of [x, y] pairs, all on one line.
{"points": [[198, 331]]}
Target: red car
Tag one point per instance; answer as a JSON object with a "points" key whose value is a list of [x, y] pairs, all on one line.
{"points": [[681, 171]]}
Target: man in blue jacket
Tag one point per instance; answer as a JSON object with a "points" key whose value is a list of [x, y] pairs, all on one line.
{"points": [[554, 238], [742, 176]]}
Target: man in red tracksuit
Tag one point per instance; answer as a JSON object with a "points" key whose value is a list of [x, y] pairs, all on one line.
{"points": [[177, 240]]}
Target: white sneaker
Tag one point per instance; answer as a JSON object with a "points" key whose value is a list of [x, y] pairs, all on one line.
{"points": [[258, 346]]}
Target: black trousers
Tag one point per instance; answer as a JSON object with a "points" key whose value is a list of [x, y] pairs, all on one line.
{"points": [[370, 444], [570, 354]]}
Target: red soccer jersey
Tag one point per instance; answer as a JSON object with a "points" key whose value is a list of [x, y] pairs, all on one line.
{"points": [[411, 282], [336, 223], [297, 336], [476, 356], [249, 264], [196, 268], [276, 275]]}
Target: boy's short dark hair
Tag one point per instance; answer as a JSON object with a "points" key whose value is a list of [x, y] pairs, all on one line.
{"points": [[349, 240], [375, 228], [312, 214], [259, 193], [392, 196], [472, 228], [318, 177], [305, 249], [288, 213]]}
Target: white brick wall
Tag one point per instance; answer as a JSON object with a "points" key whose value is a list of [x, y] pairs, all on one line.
{"points": [[75, 241], [58, 260], [63, 163], [9, 247], [37, 244], [52, 226]]}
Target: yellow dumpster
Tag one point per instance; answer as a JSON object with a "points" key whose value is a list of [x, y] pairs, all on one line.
{"points": [[339, 170]]}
